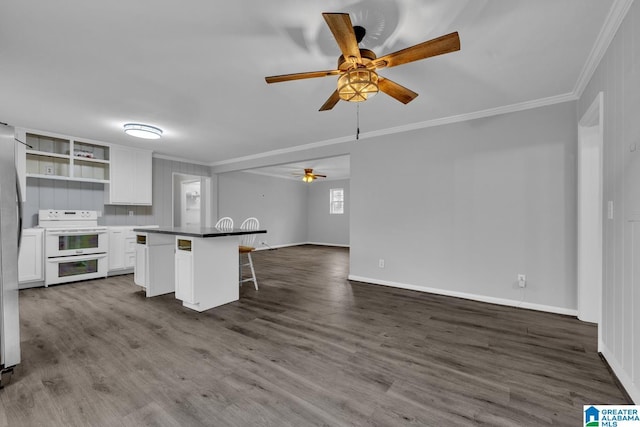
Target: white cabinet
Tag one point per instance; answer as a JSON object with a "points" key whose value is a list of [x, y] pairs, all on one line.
{"points": [[60, 157], [31, 257], [206, 271], [140, 271], [122, 250], [154, 269], [130, 249], [131, 176], [184, 271]]}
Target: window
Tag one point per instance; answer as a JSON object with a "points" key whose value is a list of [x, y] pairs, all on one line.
{"points": [[336, 201]]}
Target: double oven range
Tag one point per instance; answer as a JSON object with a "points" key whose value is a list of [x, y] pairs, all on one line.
{"points": [[75, 246]]}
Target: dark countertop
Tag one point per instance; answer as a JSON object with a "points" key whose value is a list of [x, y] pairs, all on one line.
{"points": [[199, 231]]}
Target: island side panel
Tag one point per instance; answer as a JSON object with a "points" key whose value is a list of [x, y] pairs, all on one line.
{"points": [[215, 271]]}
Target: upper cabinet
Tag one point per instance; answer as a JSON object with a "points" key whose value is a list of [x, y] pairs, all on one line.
{"points": [[131, 177], [125, 172], [57, 157]]}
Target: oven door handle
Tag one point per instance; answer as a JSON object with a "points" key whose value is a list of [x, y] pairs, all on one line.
{"points": [[73, 258], [75, 232]]}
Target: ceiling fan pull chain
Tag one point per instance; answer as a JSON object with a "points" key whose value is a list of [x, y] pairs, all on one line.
{"points": [[357, 121]]}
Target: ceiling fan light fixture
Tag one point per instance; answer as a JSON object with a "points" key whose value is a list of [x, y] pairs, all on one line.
{"points": [[308, 178], [358, 84], [142, 131]]}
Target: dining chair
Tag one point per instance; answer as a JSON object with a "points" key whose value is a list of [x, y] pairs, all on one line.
{"points": [[225, 223], [246, 247]]}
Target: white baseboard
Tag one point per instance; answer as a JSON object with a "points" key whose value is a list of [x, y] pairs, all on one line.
{"points": [[327, 244], [474, 297], [120, 272], [261, 247], [625, 379], [28, 285]]}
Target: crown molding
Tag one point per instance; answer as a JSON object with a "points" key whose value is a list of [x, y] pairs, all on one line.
{"points": [[290, 178], [272, 175], [512, 108], [608, 31], [412, 126], [280, 151]]}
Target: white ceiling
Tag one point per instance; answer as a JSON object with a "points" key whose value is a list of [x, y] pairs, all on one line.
{"points": [[196, 68]]}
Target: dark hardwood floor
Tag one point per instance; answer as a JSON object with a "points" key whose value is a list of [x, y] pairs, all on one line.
{"points": [[308, 348]]}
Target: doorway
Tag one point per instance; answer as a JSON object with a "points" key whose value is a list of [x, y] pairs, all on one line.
{"points": [[590, 213], [191, 200]]}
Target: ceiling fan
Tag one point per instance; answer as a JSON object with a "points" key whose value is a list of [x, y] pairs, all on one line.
{"points": [[358, 79], [309, 176]]}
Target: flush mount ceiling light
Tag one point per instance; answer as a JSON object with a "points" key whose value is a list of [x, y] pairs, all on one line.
{"points": [[142, 131]]}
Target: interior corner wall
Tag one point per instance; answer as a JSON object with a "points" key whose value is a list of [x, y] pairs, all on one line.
{"points": [[461, 209], [617, 76], [279, 204], [325, 228]]}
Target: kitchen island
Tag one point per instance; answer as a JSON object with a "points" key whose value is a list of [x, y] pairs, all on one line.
{"points": [[204, 261]]}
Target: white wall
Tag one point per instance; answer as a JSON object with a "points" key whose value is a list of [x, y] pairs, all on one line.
{"points": [[279, 204], [618, 77], [323, 227], [462, 209]]}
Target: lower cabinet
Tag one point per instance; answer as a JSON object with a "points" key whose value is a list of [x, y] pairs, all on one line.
{"points": [[206, 271], [184, 271], [31, 258], [141, 260], [122, 250]]}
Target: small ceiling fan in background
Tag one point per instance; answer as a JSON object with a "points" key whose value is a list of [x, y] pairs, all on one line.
{"points": [[358, 79], [309, 176]]}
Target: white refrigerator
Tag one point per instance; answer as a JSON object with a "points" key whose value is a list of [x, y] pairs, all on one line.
{"points": [[10, 232]]}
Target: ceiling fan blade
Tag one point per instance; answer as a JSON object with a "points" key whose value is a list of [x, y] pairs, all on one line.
{"points": [[439, 46], [331, 102], [396, 91], [300, 76], [319, 176], [342, 29]]}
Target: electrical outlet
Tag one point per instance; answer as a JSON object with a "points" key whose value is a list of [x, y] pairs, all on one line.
{"points": [[381, 263], [48, 170], [522, 280]]}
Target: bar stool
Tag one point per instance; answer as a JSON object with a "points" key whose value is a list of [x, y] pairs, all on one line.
{"points": [[246, 247], [225, 223]]}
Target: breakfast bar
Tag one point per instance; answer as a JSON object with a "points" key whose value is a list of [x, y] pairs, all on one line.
{"points": [[205, 264]]}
